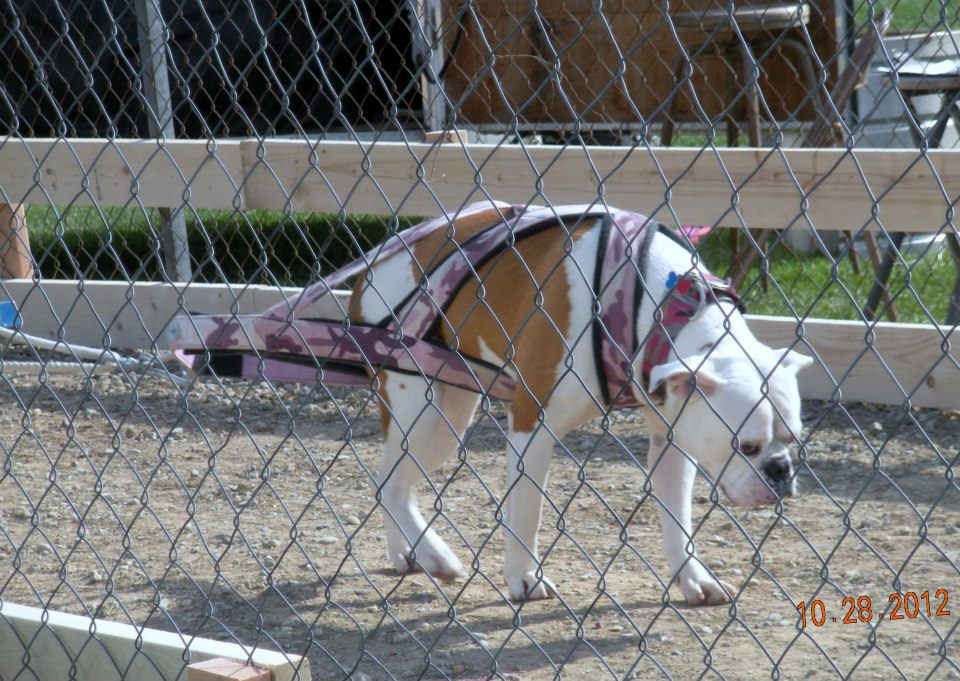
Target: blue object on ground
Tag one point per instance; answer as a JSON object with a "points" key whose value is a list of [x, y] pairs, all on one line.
{"points": [[9, 317]]}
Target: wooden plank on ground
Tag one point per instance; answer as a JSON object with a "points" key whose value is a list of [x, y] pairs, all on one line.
{"points": [[903, 359], [58, 641], [223, 669], [905, 190]]}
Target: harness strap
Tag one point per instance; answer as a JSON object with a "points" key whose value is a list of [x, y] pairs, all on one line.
{"points": [[419, 313], [688, 294], [360, 345], [400, 342], [618, 288], [298, 305], [289, 345]]}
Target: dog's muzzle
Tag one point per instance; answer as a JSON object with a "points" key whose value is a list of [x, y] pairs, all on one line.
{"points": [[778, 472]]}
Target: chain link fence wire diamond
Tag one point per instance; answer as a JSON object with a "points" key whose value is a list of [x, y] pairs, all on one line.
{"points": [[251, 511]]}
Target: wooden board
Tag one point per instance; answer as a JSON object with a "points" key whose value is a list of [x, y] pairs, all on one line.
{"points": [[57, 641], [223, 669], [891, 364], [897, 364], [842, 190], [125, 316], [127, 173]]}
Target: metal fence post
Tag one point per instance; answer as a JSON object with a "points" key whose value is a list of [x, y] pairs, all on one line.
{"points": [[156, 85], [431, 44]]}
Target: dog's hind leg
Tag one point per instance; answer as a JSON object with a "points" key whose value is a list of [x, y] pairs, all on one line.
{"points": [[419, 433], [533, 433]]}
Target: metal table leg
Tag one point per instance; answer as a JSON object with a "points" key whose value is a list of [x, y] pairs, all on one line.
{"points": [[883, 275], [953, 311], [950, 110], [953, 242]]}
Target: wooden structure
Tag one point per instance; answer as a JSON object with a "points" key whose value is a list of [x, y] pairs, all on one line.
{"points": [[609, 63], [827, 129], [225, 669], [884, 363], [763, 28], [837, 187]]}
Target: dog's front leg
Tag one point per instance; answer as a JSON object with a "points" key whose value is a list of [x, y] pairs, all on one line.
{"points": [[528, 458], [672, 475]]}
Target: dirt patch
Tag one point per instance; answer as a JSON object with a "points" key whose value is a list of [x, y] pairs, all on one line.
{"points": [[240, 512]]}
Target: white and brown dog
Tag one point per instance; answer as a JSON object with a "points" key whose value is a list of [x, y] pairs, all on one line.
{"points": [[728, 403]]}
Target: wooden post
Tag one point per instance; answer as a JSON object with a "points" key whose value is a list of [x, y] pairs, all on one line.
{"points": [[16, 261], [224, 669]]}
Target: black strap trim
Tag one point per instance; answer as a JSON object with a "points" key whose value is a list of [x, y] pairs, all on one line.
{"points": [[597, 318]]}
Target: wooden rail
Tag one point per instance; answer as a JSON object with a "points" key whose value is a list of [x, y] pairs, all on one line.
{"points": [[827, 188], [881, 363]]}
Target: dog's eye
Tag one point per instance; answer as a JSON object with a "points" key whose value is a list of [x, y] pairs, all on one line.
{"points": [[750, 448]]}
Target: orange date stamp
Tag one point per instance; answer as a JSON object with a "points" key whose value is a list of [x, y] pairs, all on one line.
{"points": [[903, 606]]}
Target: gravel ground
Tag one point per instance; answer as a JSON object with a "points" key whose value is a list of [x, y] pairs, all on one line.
{"points": [[202, 509]]}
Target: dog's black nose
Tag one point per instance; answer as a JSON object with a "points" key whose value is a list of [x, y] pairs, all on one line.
{"points": [[777, 469]]}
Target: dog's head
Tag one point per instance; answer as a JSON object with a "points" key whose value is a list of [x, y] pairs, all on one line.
{"points": [[736, 411]]}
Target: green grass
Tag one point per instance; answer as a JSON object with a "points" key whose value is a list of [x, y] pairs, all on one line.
{"points": [[264, 247], [700, 139], [914, 16], [257, 247], [814, 285]]}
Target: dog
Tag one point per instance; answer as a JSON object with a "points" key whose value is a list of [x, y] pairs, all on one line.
{"points": [[727, 403]]}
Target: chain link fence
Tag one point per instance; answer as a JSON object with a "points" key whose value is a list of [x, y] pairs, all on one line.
{"points": [[256, 511]]}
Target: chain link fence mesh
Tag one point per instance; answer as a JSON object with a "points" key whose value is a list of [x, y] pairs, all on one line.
{"points": [[250, 511]]}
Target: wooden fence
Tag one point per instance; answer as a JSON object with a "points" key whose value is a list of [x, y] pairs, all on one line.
{"points": [[827, 189]]}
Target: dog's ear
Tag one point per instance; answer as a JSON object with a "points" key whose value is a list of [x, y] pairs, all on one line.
{"points": [[793, 360], [683, 375]]}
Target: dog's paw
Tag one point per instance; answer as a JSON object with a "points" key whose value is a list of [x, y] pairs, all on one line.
{"points": [[437, 560], [705, 590], [526, 587]]}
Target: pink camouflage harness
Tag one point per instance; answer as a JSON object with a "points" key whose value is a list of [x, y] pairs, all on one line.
{"points": [[287, 343]]}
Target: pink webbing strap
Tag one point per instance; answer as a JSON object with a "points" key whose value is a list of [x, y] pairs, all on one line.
{"points": [[296, 347], [617, 285], [688, 294], [358, 345]]}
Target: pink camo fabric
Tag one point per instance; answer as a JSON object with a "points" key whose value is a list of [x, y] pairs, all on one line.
{"points": [[286, 342]]}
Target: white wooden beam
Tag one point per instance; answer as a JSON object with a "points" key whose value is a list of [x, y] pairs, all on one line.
{"points": [[905, 190], [125, 316], [901, 359], [885, 363], [57, 641]]}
